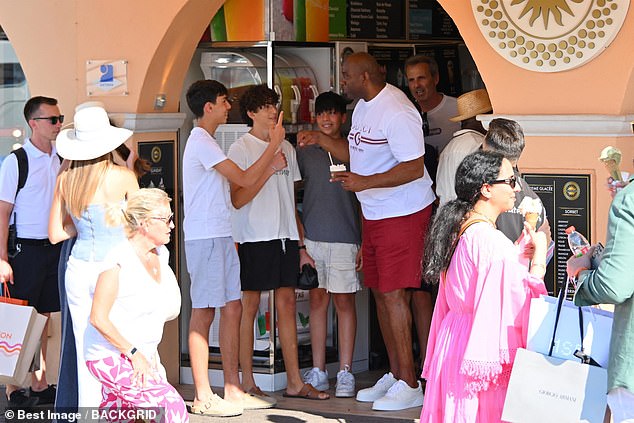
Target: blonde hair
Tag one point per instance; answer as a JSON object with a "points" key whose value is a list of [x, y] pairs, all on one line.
{"points": [[140, 205], [81, 181]]}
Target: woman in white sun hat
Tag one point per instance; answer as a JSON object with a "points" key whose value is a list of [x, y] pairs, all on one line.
{"points": [[84, 190]]}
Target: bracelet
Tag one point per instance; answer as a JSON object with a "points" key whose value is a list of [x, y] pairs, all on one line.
{"points": [[274, 169], [301, 247], [542, 265]]}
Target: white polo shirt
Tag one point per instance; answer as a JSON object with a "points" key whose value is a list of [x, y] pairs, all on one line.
{"points": [[386, 131], [33, 203]]}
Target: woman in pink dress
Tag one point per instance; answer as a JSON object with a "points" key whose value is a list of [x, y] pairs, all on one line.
{"points": [[481, 314]]}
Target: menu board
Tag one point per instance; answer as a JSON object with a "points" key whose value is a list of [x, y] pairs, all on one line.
{"points": [[566, 199], [376, 20], [448, 59], [428, 19], [393, 61], [160, 154]]}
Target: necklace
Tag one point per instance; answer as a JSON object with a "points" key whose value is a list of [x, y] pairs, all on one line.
{"points": [[488, 219]]}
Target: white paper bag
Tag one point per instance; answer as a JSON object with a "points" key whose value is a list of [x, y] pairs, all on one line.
{"points": [[597, 329], [551, 390], [20, 331]]}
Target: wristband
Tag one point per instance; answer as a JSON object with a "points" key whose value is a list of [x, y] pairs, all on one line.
{"points": [[301, 247], [132, 352]]}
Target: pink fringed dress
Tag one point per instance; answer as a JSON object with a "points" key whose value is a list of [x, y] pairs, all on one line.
{"points": [[480, 319]]}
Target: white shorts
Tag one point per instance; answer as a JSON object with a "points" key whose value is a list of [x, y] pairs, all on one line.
{"points": [[214, 270], [621, 402], [335, 264]]}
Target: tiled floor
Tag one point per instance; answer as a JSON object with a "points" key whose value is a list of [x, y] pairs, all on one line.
{"points": [[294, 410], [290, 410]]}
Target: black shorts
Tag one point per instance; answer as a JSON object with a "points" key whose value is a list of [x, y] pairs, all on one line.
{"points": [[268, 264], [35, 276]]}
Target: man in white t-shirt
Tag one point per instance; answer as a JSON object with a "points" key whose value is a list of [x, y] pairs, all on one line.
{"points": [[212, 261], [436, 108], [386, 153], [270, 240]]}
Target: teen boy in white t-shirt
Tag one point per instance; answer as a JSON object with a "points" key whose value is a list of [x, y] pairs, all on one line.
{"points": [[212, 261], [271, 247]]}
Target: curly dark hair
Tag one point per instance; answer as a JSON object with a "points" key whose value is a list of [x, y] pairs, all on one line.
{"points": [[474, 171], [254, 99]]}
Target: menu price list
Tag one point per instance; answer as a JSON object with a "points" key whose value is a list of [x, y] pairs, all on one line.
{"points": [[376, 19], [428, 18], [566, 199]]}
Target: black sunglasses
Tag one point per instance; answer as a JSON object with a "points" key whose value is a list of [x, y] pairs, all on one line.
{"points": [[510, 181], [52, 119], [167, 220]]}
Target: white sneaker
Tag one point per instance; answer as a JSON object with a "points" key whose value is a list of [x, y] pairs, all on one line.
{"points": [[377, 391], [399, 397], [317, 378], [345, 383]]}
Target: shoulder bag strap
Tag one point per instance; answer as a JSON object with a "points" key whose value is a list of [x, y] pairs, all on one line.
{"points": [[462, 231], [560, 303]]}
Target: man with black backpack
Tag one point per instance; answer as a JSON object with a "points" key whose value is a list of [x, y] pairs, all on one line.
{"points": [[28, 261]]}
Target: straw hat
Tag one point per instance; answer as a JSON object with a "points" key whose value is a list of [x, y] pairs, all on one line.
{"points": [[92, 135], [472, 104]]}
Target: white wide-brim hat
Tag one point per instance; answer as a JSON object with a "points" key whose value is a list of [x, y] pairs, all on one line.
{"points": [[92, 135]]}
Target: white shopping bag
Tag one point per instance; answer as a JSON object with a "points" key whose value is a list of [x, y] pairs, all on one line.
{"points": [[20, 331], [551, 390], [597, 329]]}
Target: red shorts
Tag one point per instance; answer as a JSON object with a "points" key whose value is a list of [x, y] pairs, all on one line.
{"points": [[393, 251]]}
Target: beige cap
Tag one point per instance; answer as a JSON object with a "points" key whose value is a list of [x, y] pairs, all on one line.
{"points": [[472, 104]]}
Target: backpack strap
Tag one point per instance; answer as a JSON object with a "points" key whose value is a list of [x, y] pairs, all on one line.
{"points": [[23, 168]]}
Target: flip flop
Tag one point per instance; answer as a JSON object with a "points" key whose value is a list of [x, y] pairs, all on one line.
{"points": [[309, 392], [257, 392]]}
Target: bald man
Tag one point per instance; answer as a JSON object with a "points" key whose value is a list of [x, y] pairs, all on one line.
{"points": [[385, 149]]}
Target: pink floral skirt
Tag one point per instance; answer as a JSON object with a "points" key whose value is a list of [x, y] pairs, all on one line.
{"points": [[123, 401]]}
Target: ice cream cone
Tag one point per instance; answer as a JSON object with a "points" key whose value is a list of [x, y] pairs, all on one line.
{"points": [[611, 158], [531, 218], [613, 169]]}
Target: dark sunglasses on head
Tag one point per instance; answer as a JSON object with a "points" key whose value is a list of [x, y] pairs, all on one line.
{"points": [[52, 119], [167, 220], [510, 181]]}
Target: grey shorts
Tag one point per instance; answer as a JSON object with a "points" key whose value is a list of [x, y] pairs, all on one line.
{"points": [[214, 270], [335, 263]]}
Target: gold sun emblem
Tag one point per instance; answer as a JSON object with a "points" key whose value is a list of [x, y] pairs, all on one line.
{"points": [[545, 8], [549, 35]]}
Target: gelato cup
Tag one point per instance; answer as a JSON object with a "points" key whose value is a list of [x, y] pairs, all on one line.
{"points": [[334, 168]]}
